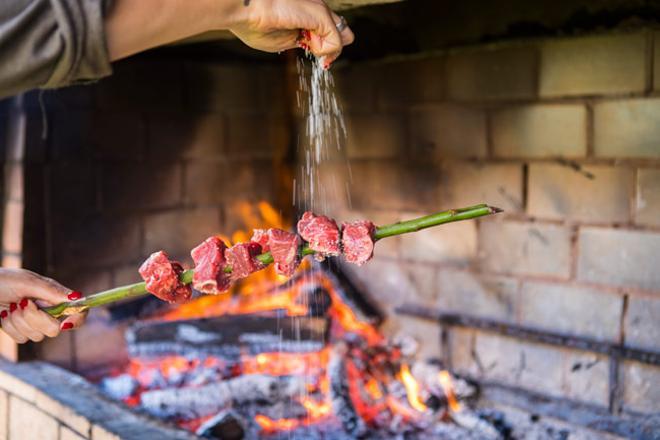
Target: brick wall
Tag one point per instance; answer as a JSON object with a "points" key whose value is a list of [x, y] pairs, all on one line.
{"points": [[40, 401], [155, 157], [561, 133]]}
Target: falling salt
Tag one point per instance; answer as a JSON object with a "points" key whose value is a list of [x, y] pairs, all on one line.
{"points": [[320, 151], [325, 137]]}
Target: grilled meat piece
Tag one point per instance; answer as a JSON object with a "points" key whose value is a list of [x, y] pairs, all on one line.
{"points": [[161, 277], [321, 233], [357, 241], [210, 262]]}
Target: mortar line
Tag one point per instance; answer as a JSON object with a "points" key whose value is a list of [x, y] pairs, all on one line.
{"points": [[590, 129], [649, 59]]}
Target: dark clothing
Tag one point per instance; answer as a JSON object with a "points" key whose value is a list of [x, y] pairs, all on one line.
{"points": [[51, 43]]}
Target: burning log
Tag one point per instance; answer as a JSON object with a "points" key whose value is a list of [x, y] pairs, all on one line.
{"points": [[227, 336], [139, 289], [226, 425], [342, 405], [190, 403], [430, 376]]}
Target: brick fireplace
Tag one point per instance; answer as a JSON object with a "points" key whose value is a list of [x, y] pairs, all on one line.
{"points": [[557, 297]]}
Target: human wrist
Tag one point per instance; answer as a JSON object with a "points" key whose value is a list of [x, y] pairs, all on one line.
{"points": [[225, 14]]}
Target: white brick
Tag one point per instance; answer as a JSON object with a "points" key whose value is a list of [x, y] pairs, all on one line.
{"points": [[545, 130], [502, 73], [453, 243], [375, 136], [445, 131], [593, 65], [627, 128], [466, 184], [619, 257], [597, 194], [586, 377], [531, 366], [27, 422], [647, 203], [477, 294], [525, 248], [575, 310], [641, 325], [640, 387]]}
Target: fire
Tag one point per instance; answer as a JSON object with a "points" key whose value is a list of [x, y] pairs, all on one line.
{"points": [[285, 364], [267, 293], [448, 388], [269, 425], [316, 409], [412, 388], [373, 389]]}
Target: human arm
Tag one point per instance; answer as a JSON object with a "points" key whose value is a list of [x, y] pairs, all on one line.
{"points": [[268, 25], [49, 44], [20, 317]]}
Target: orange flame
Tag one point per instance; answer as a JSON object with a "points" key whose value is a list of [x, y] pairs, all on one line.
{"points": [[373, 389], [269, 425], [316, 409], [448, 388], [412, 388]]}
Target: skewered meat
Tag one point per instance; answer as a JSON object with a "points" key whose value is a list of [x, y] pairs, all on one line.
{"points": [[322, 234], [357, 241], [261, 236], [241, 259], [161, 277], [209, 258], [284, 249]]}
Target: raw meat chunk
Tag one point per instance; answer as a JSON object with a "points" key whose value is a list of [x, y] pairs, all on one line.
{"points": [[161, 277], [321, 233], [357, 241], [261, 236], [241, 259], [209, 258], [284, 249]]}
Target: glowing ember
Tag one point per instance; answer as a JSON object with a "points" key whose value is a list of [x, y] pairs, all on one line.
{"points": [[269, 425], [285, 364], [448, 388], [412, 388]]}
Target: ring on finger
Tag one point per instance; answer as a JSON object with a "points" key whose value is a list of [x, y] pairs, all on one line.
{"points": [[343, 24]]}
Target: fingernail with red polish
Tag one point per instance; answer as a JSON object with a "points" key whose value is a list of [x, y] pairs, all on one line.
{"points": [[74, 295], [12, 307], [66, 326], [4, 314], [23, 304]]}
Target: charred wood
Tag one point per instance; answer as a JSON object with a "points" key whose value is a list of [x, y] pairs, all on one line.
{"points": [[342, 405], [226, 425], [227, 337], [189, 403]]}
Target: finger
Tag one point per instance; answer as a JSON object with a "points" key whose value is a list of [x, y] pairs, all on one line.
{"points": [[347, 36], [41, 321], [10, 329], [19, 322], [35, 286], [325, 38], [74, 321]]}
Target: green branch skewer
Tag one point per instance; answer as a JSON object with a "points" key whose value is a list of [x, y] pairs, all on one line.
{"points": [[404, 227]]}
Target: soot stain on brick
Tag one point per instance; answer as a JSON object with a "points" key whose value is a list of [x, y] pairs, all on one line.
{"points": [[536, 233], [576, 167]]}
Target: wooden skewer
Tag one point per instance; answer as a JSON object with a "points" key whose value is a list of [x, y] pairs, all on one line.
{"points": [[404, 227]]}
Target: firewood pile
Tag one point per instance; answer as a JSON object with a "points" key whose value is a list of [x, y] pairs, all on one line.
{"points": [[319, 369]]}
